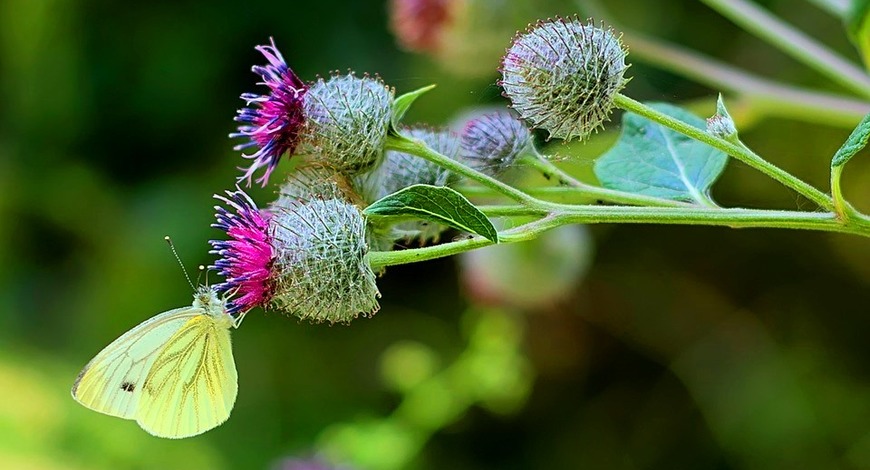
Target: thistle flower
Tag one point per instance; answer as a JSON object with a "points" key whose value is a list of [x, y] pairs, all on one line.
{"points": [[273, 123], [321, 272], [400, 170], [306, 257], [562, 76], [492, 143], [348, 119], [246, 258]]}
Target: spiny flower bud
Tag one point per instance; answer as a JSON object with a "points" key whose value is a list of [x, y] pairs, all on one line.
{"points": [[347, 121], [321, 272], [562, 75], [400, 170], [492, 142]]}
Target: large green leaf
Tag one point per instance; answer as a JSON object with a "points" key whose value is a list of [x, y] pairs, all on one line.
{"points": [[656, 161], [437, 204], [857, 140]]}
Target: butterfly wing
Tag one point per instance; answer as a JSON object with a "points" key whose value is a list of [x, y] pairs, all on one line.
{"points": [[191, 386], [112, 382]]}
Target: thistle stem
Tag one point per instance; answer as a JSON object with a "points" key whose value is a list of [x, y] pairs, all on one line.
{"points": [[554, 173], [419, 148], [738, 151], [734, 218]]}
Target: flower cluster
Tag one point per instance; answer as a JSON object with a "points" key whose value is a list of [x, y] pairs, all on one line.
{"points": [[306, 253]]}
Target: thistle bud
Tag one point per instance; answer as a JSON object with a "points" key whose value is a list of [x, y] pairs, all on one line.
{"points": [[493, 142], [562, 75], [320, 269], [347, 121]]}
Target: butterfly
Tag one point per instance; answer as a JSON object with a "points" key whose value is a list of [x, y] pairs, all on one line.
{"points": [[173, 373]]}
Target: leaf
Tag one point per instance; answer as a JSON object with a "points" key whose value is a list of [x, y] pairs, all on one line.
{"points": [[437, 204], [857, 140], [653, 160], [403, 103]]}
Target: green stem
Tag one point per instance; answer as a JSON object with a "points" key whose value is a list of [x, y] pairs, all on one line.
{"points": [[419, 148], [565, 194], [734, 218], [793, 42], [509, 211], [840, 205], [552, 172], [740, 152]]}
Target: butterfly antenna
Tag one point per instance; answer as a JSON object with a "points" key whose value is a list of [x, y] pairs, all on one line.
{"points": [[202, 270], [178, 258]]}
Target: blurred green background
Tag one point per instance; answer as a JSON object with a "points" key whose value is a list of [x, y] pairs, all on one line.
{"points": [[664, 347]]}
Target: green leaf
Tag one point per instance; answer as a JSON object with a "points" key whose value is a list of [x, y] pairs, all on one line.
{"points": [[437, 204], [403, 103], [857, 140], [653, 160]]}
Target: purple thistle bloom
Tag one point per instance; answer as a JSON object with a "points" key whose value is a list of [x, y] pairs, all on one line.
{"points": [[246, 259], [272, 122]]}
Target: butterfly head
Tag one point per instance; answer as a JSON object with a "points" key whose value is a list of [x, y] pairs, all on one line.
{"points": [[207, 298]]}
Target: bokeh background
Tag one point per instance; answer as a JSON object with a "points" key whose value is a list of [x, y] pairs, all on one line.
{"points": [[621, 347]]}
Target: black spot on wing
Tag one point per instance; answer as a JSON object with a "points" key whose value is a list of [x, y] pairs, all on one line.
{"points": [[128, 387]]}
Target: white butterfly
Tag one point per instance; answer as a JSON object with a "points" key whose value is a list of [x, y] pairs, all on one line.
{"points": [[173, 373]]}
